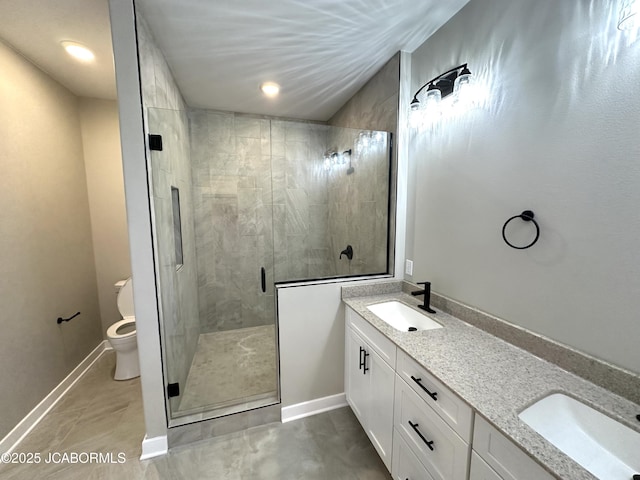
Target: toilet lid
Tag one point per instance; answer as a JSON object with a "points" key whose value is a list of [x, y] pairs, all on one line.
{"points": [[125, 299]]}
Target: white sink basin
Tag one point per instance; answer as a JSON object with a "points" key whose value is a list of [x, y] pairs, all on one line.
{"points": [[606, 448], [402, 317]]}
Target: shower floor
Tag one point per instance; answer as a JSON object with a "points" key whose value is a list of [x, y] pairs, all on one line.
{"points": [[231, 367]]}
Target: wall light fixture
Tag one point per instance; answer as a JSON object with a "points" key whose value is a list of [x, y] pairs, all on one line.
{"points": [[333, 158], [454, 81], [629, 17]]}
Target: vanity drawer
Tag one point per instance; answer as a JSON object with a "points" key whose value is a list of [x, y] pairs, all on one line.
{"points": [[456, 413], [448, 457], [504, 456], [406, 465], [376, 340]]}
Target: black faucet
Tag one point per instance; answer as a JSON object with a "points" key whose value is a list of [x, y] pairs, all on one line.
{"points": [[427, 296]]}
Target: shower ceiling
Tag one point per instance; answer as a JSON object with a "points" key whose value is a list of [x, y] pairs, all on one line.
{"points": [[320, 51]]}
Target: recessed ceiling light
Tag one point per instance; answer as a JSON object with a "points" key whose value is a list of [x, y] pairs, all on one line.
{"points": [[270, 89], [78, 51]]}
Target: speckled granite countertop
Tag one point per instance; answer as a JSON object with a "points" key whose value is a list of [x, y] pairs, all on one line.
{"points": [[497, 379]]}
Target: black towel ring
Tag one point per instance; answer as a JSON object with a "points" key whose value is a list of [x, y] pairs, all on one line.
{"points": [[527, 216]]}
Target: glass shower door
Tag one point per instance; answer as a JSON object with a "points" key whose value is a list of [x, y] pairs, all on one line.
{"points": [[217, 305]]}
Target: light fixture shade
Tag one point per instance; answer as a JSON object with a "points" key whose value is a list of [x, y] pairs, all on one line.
{"points": [[629, 15], [462, 80], [432, 97]]}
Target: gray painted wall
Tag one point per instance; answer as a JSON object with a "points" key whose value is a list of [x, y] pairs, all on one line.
{"points": [[46, 265], [558, 135]]}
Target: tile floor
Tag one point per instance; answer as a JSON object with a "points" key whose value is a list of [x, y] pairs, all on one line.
{"points": [[231, 366], [101, 415]]}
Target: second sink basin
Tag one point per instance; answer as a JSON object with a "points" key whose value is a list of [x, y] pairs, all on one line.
{"points": [[606, 448], [401, 317]]}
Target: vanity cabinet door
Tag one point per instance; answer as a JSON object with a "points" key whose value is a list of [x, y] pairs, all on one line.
{"points": [[369, 387], [380, 405], [356, 383]]}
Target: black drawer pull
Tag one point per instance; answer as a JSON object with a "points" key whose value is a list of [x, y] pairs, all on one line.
{"points": [[427, 442], [433, 395], [263, 280], [361, 360]]}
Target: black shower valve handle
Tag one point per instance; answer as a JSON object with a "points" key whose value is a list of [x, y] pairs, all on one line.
{"points": [[348, 252]]}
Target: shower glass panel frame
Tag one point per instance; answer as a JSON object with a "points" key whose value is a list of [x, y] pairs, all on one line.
{"points": [[219, 371], [263, 201], [326, 201]]}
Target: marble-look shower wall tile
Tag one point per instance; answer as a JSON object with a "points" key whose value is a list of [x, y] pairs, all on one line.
{"points": [[319, 226], [248, 210], [297, 256], [248, 127], [296, 155], [222, 186], [357, 200], [236, 157], [278, 179], [297, 218]]}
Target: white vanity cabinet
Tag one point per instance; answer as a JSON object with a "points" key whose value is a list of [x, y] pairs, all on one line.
{"points": [[495, 457], [420, 428], [369, 381]]}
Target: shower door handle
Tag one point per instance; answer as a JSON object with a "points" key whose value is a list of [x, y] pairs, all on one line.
{"points": [[263, 279]]}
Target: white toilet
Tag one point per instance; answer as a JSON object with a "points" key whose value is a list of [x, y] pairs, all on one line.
{"points": [[122, 334]]}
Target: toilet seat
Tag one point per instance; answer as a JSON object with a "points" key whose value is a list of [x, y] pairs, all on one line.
{"points": [[112, 331]]}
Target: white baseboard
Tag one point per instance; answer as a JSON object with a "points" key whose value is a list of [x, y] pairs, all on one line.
{"points": [[313, 407], [154, 447], [15, 436]]}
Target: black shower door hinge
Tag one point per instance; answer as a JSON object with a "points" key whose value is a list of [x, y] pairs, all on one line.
{"points": [[173, 390], [155, 142]]}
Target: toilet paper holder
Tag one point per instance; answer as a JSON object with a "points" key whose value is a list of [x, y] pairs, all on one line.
{"points": [[60, 319]]}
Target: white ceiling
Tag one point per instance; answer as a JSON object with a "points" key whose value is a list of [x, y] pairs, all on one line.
{"points": [[320, 51], [35, 28]]}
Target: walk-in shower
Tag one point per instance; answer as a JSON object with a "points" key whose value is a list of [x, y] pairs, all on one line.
{"points": [[240, 203]]}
